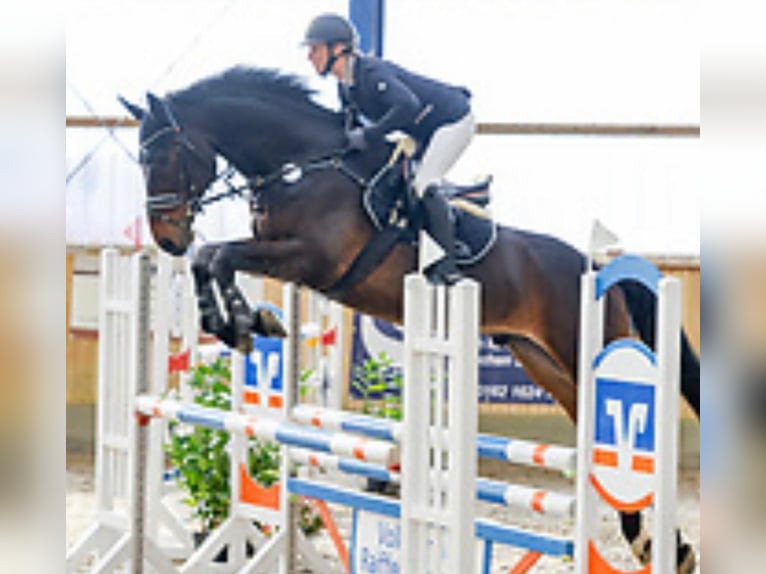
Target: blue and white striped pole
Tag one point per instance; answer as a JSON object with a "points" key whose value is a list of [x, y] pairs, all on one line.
{"points": [[525, 498], [511, 450], [360, 448]]}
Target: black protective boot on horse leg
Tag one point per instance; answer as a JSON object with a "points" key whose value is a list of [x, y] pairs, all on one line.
{"points": [[212, 266], [438, 224]]}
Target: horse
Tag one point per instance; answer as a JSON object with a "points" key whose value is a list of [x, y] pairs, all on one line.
{"points": [[309, 227]]}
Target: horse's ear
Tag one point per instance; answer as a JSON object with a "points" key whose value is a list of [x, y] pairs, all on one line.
{"points": [[136, 111], [155, 105]]}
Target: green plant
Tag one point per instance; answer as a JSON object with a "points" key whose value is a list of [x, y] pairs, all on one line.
{"points": [[305, 385], [309, 519], [201, 455], [380, 383]]}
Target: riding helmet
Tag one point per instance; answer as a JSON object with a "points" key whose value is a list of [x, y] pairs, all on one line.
{"points": [[331, 29]]}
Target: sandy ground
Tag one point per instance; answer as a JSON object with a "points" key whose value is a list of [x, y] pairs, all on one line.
{"points": [[80, 505]]}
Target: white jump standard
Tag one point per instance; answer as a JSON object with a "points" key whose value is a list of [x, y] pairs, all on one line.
{"points": [[628, 424]]}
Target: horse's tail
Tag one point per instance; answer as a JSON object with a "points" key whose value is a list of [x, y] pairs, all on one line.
{"points": [[642, 305]]}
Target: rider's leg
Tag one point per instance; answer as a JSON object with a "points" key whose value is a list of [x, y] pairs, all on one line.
{"points": [[437, 260], [438, 222]]}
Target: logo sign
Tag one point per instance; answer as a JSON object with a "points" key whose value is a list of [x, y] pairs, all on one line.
{"points": [[624, 446], [626, 416], [263, 366], [501, 377]]}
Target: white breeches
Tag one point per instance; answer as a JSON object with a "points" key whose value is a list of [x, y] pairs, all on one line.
{"points": [[446, 146]]}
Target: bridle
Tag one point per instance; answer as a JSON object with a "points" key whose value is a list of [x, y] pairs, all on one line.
{"points": [[187, 195]]}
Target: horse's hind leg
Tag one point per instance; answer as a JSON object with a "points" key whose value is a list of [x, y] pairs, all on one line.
{"points": [[641, 544], [545, 372]]}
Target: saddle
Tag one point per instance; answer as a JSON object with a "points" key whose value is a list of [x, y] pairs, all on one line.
{"points": [[475, 194]]}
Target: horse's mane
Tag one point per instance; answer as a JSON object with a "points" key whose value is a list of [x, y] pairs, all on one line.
{"points": [[251, 85], [244, 82]]}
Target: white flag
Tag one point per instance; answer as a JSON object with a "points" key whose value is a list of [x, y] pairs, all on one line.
{"points": [[430, 252], [601, 237]]}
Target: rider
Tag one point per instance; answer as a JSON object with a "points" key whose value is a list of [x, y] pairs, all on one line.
{"points": [[436, 115]]}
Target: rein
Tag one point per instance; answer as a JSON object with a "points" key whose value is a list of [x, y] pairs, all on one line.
{"points": [[292, 173], [288, 172]]}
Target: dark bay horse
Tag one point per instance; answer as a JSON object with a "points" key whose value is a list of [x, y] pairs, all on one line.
{"points": [[308, 227]]}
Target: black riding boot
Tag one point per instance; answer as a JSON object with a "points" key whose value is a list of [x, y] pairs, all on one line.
{"points": [[438, 224]]}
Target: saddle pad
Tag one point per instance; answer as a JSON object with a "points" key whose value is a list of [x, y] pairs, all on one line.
{"points": [[474, 236]]}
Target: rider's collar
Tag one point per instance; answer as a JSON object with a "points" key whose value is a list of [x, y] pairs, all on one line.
{"points": [[348, 70]]}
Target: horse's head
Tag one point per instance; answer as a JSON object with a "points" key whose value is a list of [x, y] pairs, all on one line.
{"points": [[178, 165]]}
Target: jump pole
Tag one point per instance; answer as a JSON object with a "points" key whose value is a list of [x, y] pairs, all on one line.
{"points": [[515, 451]]}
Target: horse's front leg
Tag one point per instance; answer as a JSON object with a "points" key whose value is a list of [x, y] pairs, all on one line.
{"points": [[211, 317], [252, 256]]}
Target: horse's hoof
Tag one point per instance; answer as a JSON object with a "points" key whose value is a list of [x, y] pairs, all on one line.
{"points": [[245, 345], [242, 328], [642, 547], [268, 324], [687, 561]]}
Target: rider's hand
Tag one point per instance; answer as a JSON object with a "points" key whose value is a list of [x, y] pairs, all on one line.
{"points": [[356, 139]]}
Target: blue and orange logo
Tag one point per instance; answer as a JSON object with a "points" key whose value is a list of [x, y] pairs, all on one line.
{"points": [[624, 443]]}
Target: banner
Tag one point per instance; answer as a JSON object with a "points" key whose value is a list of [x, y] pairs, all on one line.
{"points": [[501, 377]]}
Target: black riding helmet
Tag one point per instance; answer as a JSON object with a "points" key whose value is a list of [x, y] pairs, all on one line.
{"points": [[331, 29]]}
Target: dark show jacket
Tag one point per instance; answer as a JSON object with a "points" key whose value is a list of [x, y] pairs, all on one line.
{"points": [[396, 99]]}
